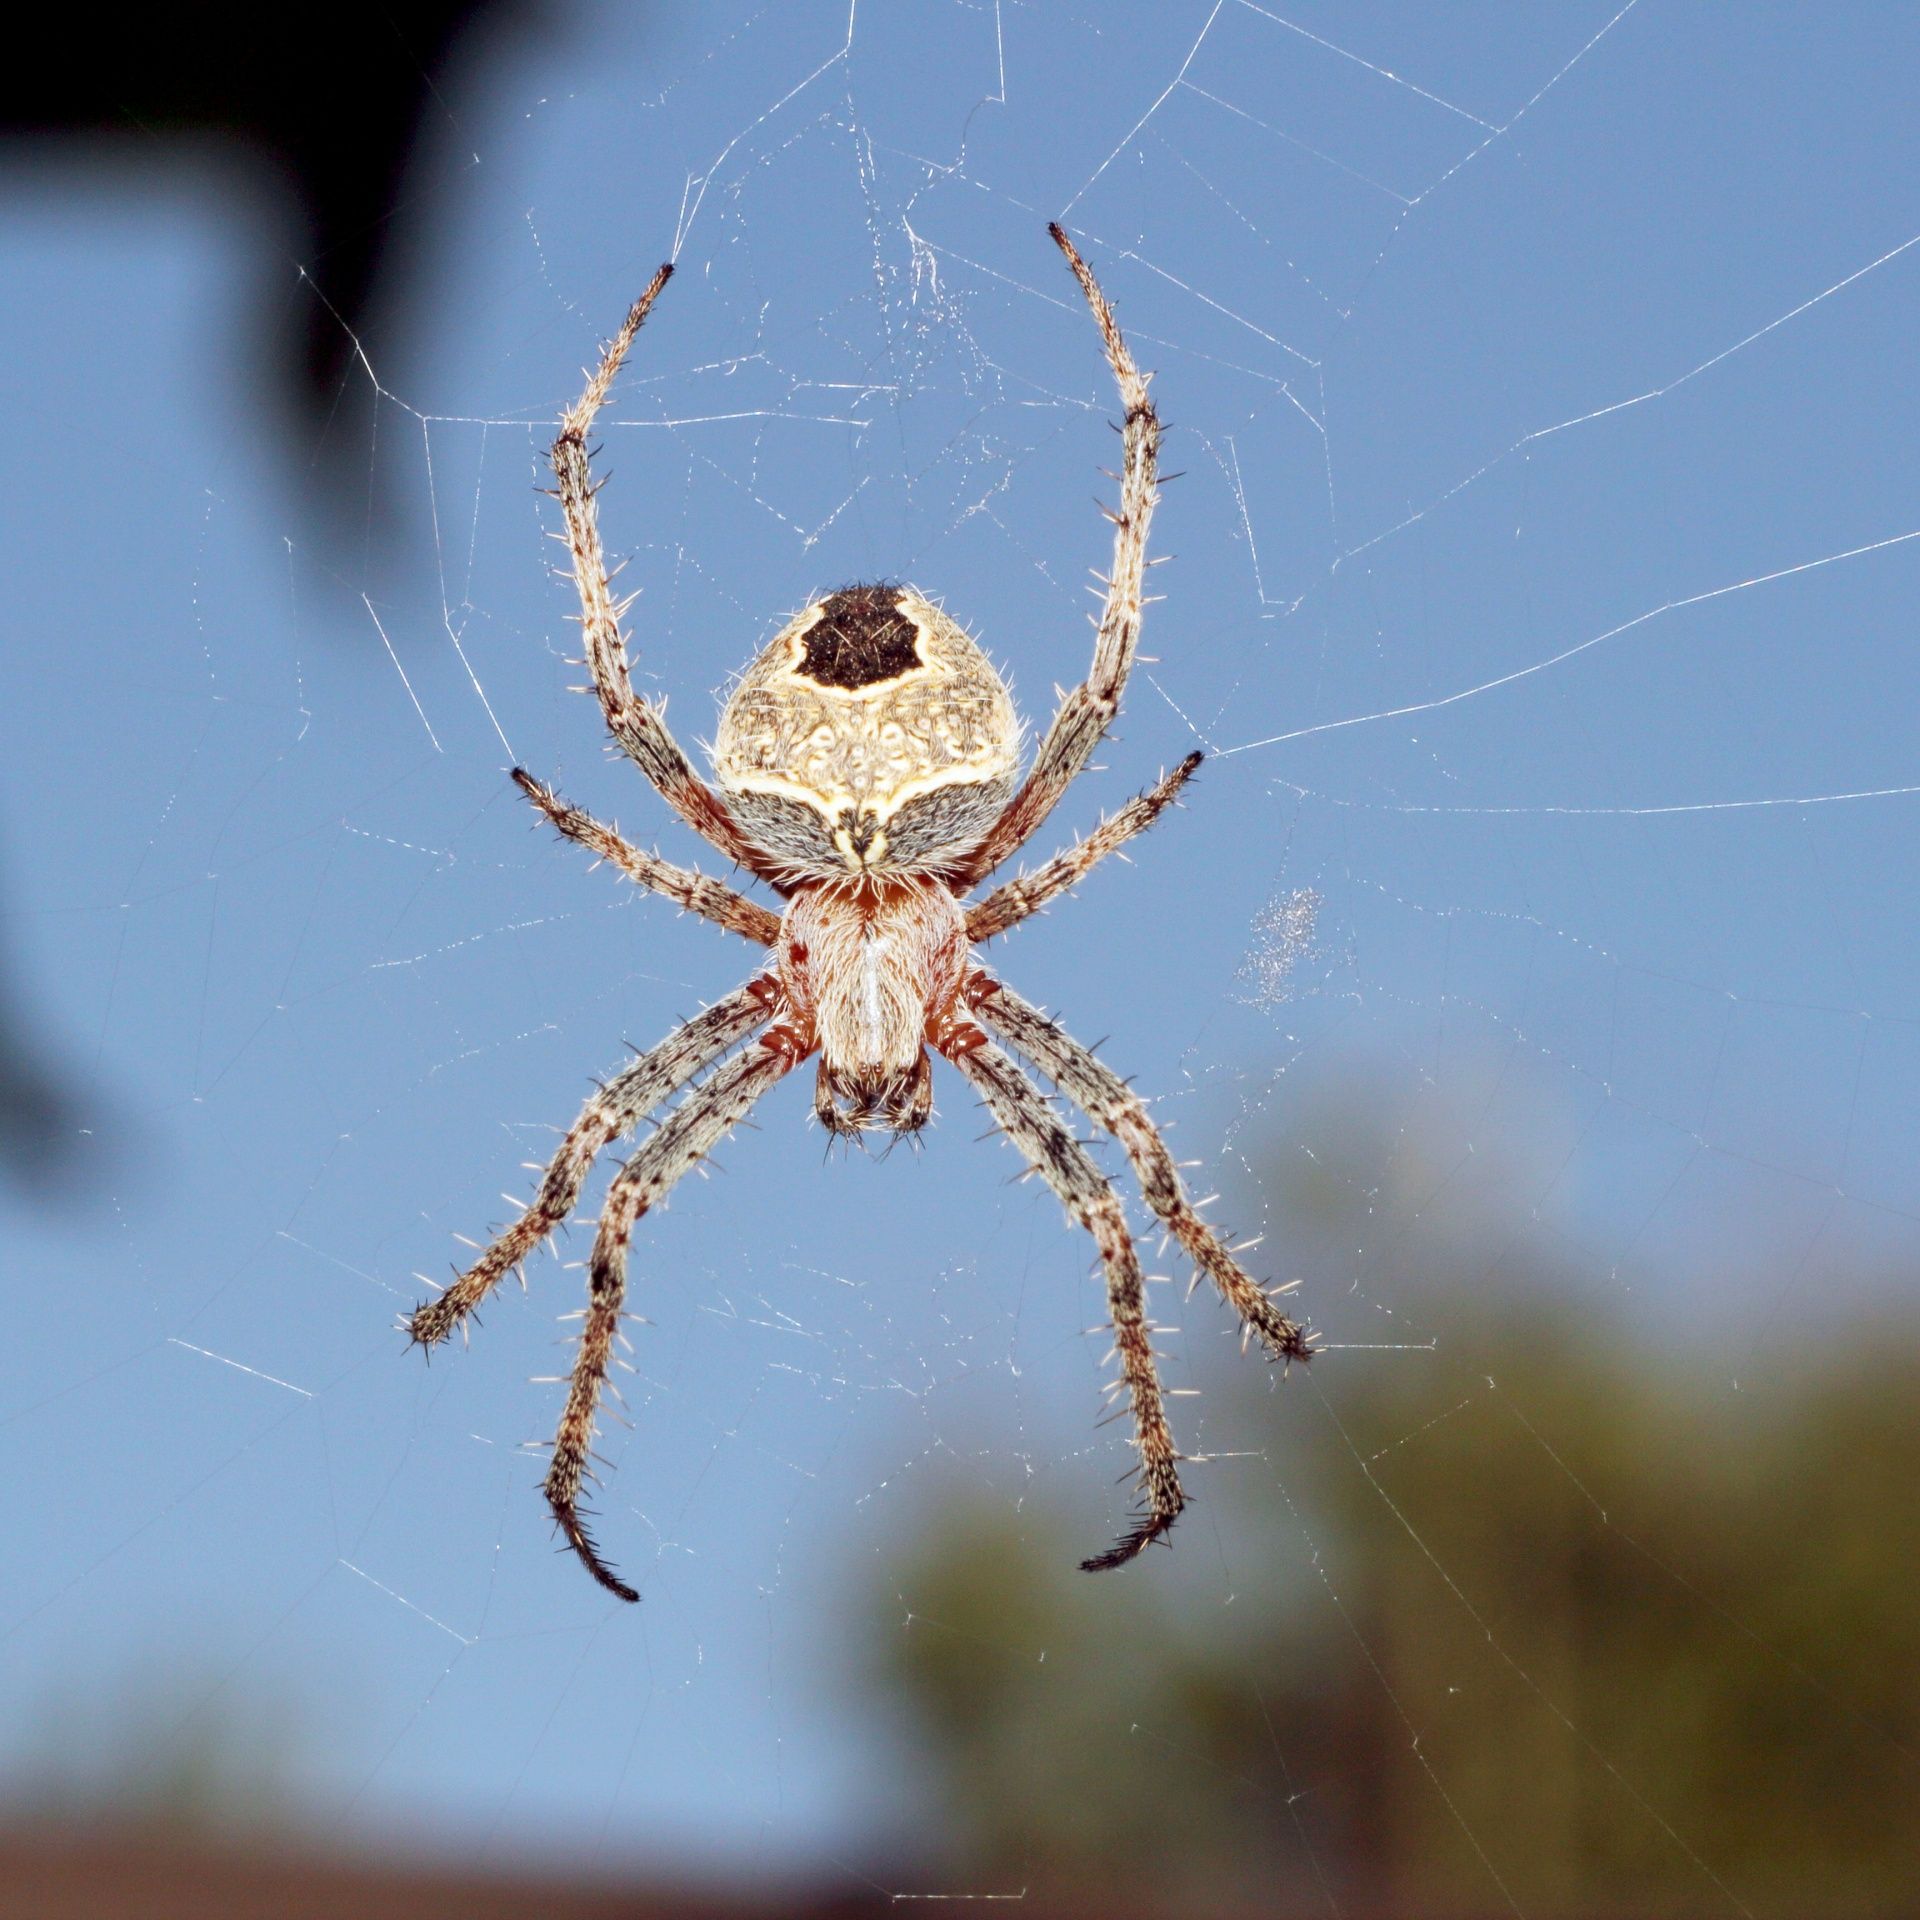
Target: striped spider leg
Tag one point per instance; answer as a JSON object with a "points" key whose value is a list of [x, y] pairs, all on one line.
{"points": [[1088, 711]]}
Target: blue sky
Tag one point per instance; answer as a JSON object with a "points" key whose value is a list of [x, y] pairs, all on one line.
{"points": [[1543, 584]]}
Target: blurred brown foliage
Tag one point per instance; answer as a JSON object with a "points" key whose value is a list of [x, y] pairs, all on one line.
{"points": [[1543, 1620], [129, 1873]]}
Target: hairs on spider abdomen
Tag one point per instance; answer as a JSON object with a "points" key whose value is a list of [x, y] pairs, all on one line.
{"points": [[923, 835]]}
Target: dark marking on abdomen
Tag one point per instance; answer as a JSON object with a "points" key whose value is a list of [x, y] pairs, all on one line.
{"points": [[861, 639]]}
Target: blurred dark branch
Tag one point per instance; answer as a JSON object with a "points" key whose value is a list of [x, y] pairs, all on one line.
{"points": [[36, 1124], [344, 108], [39, 1115], [341, 116]]}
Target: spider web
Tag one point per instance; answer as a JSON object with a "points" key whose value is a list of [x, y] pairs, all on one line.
{"points": [[1544, 561]]}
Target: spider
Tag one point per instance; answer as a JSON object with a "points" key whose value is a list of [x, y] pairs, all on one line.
{"points": [[867, 768]]}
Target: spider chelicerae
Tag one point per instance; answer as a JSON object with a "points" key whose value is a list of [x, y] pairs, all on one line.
{"points": [[867, 768]]}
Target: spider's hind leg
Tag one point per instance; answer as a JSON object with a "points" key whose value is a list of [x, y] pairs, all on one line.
{"points": [[1085, 714]]}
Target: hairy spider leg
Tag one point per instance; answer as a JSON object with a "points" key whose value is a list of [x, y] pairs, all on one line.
{"points": [[634, 723], [1031, 1122], [1026, 893], [684, 1138], [1087, 712], [696, 892], [614, 1109], [1110, 1103]]}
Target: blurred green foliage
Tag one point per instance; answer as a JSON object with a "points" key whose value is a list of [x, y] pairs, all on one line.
{"points": [[1540, 1620], [166, 1747]]}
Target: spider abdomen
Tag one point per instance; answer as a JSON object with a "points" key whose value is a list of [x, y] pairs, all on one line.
{"points": [[871, 734]]}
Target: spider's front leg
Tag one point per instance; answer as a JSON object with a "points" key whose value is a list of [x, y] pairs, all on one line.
{"points": [[1105, 1098], [688, 1134], [1032, 1124], [617, 1108]]}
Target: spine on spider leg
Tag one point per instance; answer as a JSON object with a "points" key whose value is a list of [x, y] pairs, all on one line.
{"points": [[684, 1139], [573, 1442], [434, 1320], [1112, 1105], [1284, 1338]]}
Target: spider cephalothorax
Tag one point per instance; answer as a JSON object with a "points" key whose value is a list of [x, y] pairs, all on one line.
{"points": [[868, 770], [877, 967]]}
